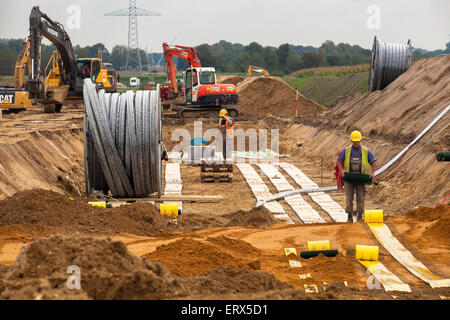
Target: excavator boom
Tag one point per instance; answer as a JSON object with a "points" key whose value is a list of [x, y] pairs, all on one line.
{"points": [[22, 59], [42, 26], [257, 69], [187, 53]]}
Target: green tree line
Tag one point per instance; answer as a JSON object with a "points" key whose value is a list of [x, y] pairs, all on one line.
{"points": [[225, 56]]}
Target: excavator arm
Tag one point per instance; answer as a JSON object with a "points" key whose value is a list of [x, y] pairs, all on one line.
{"points": [[187, 53], [257, 69], [22, 59], [42, 26]]}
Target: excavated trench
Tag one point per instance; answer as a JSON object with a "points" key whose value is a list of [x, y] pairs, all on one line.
{"points": [[225, 249]]}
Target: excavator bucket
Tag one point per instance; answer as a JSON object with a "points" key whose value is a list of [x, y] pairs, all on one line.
{"points": [[56, 94]]}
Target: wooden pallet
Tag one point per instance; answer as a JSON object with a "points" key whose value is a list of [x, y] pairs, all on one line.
{"points": [[216, 167], [211, 178]]}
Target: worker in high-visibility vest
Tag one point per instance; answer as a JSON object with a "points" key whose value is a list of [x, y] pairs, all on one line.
{"points": [[356, 159], [226, 129]]}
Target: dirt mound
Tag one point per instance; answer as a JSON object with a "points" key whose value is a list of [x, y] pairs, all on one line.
{"points": [[107, 269], [441, 217], [429, 214], [37, 289], [233, 244], [188, 257], [418, 95], [228, 280], [37, 147], [259, 217], [50, 209], [260, 96], [389, 119], [233, 80]]}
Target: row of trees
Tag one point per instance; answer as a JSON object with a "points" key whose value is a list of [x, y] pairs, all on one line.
{"points": [[224, 56], [228, 57]]}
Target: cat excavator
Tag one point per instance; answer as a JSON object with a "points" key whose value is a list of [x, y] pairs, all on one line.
{"points": [[203, 96], [62, 81], [15, 99]]}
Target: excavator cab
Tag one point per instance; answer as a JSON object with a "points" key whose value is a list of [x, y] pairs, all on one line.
{"points": [[195, 80], [94, 69]]}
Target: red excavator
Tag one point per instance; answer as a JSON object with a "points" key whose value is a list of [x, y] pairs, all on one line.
{"points": [[203, 96]]}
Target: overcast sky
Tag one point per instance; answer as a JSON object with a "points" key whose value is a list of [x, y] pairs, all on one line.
{"points": [[269, 22]]}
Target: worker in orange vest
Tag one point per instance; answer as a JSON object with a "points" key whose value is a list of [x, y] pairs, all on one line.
{"points": [[226, 129]]}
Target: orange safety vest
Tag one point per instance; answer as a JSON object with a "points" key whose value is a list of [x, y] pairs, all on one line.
{"points": [[229, 126]]}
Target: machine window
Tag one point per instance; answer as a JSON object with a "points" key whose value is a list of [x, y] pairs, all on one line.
{"points": [[207, 77]]}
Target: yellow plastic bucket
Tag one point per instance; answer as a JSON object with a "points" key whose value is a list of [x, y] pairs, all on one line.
{"points": [[169, 209], [101, 204], [366, 253], [318, 245], [373, 216]]}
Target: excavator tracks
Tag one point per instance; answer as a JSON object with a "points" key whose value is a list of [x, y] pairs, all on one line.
{"points": [[202, 112]]}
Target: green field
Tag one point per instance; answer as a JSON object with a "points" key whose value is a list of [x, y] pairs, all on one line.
{"points": [[7, 81], [125, 76], [326, 84]]}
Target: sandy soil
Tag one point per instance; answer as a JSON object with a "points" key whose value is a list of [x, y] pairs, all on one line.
{"points": [[226, 249]]}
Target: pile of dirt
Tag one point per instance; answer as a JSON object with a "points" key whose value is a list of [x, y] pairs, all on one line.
{"points": [[403, 109], [441, 217], [188, 257], [37, 147], [330, 269], [50, 209], [107, 271], [259, 217], [424, 213], [233, 80], [227, 280], [260, 96], [418, 95]]}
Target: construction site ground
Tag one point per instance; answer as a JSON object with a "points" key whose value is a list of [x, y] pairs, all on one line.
{"points": [[228, 249]]}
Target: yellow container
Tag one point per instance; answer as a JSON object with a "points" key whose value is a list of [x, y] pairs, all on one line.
{"points": [[169, 209], [101, 204], [318, 245], [373, 216], [366, 253]]}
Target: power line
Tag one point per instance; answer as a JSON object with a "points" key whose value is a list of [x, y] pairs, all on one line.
{"points": [[133, 42]]}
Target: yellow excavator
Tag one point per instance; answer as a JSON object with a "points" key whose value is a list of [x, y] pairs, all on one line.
{"points": [[62, 81], [251, 69], [15, 99]]}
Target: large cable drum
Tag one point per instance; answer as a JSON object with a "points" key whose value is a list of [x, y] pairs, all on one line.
{"points": [[123, 139], [389, 61]]}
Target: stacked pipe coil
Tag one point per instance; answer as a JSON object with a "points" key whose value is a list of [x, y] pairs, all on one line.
{"points": [[389, 61], [122, 144]]}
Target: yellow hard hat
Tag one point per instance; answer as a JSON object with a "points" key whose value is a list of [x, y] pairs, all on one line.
{"points": [[356, 136], [223, 112]]}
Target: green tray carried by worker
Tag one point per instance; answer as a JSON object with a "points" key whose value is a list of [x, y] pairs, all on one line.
{"points": [[357, 177]]}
